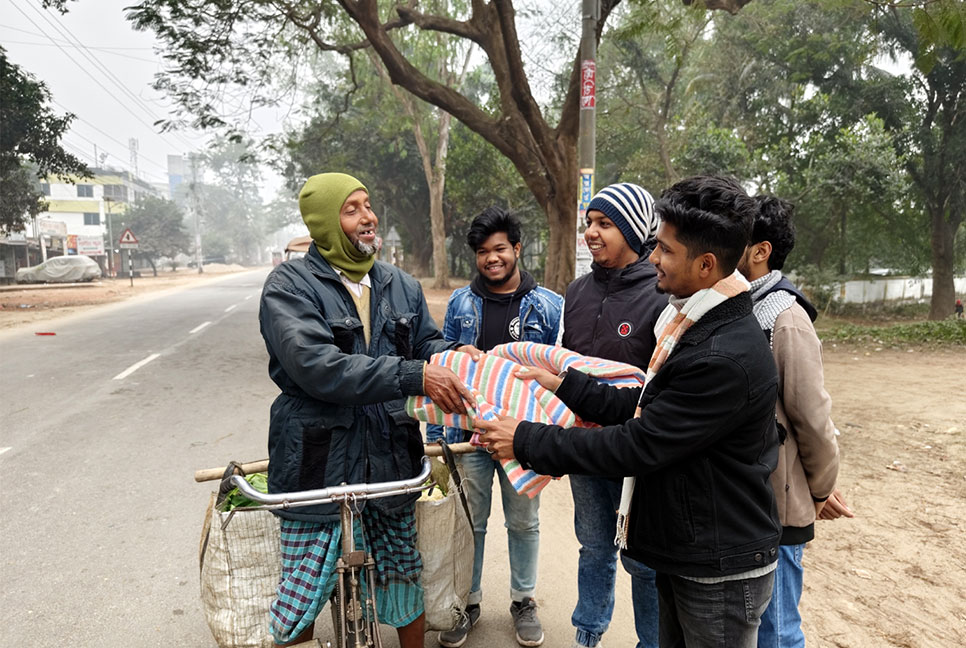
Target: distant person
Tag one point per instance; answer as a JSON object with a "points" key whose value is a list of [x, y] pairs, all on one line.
{"points": [[808, 458], [959, 309], [502, 304], [348, 338], [610, 313], [698, 442]]}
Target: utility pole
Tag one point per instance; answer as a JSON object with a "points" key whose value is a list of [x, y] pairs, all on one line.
{"points": [[110, 236], [193, 201], [587, 133]]}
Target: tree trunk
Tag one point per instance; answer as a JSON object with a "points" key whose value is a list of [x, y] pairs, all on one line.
{"points": [[438, 228], [561, 209], [943, 234]]}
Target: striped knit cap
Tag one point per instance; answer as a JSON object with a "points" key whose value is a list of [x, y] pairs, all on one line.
{"points": [[631, 208]]}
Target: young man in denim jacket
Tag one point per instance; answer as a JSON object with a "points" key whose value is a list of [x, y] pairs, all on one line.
{"points": [[502, 304]]}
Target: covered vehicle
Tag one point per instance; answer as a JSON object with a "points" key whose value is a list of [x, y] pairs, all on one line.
{"points": [[297, 247], [62, 269]]}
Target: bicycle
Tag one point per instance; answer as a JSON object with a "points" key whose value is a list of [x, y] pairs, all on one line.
{"points": [[355, 620]]}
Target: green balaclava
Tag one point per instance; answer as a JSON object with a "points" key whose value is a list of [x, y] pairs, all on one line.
{"points": [[320, 202]]}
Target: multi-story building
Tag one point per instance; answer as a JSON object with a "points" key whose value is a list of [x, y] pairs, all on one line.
{"points": [[82, 215]]}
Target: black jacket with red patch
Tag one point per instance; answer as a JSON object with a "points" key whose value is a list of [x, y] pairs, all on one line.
{"points": [[611, 313]]}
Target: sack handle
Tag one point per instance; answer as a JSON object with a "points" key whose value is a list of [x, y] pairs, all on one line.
{"points": [[226, 487], [454, 472]]}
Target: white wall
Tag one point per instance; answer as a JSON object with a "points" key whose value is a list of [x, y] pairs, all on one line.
{"points": [[891, 289]]}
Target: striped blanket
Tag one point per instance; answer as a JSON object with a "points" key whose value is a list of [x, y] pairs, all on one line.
{"points": [[498, 392]]}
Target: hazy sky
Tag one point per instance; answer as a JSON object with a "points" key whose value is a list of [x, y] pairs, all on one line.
{"points": [[97, 67]]}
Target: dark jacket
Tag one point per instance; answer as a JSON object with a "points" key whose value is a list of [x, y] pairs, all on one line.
{"points": [[702, 450], [340, 416], [611, 313]]}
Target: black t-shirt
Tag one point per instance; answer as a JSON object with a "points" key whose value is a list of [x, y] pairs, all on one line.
{"points": [[501, 312]]}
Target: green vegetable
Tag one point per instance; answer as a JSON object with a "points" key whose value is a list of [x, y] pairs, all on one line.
{"points": [[235, 499]]}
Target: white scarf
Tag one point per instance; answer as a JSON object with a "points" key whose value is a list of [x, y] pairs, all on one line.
{"points": [[674, 321]]}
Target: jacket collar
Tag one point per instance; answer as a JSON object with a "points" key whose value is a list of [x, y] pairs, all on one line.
{"points": [[636, 271], [724, 313], [322, 269]]}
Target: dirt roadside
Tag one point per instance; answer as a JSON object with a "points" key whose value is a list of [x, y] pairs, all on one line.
{"points": [[893, 576], [23, 305]]}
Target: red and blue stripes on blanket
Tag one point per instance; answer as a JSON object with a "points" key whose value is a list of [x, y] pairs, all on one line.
{"points": [[498, 391]]}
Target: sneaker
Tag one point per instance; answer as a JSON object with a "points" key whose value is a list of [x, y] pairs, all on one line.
{"points": [[529, 630], [456, 637]]}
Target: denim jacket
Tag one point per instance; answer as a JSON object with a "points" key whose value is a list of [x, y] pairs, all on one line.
{"points": [[540, 315]]}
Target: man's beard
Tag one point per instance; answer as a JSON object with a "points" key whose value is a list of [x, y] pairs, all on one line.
{"points": [[496, 283], [366, 248]]}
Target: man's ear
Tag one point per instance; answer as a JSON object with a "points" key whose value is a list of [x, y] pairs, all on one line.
{"points": [[707, 264], [761, 251], [516, 248]]}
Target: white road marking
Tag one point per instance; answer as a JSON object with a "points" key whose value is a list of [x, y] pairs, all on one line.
{"points": [[231, 308], [198, 328], [2, 450], [247, 298], [137, 365]]}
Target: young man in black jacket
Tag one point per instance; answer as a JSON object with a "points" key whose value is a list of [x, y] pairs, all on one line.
{"points": [[698, 443], [610, 313]]}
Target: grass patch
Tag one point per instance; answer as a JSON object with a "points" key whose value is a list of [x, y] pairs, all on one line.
{"points": [[944, 332]]}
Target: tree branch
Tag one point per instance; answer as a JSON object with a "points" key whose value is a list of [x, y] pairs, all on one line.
{"points": [[463, 29], [402, 72]]}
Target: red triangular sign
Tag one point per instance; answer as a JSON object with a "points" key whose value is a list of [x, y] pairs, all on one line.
{"points": [[128, 237]]}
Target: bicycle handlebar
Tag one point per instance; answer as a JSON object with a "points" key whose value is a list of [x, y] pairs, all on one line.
{"points": [[334, 493]]}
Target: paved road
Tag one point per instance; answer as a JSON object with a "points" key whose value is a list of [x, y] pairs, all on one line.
{"points": [[101, 428]]}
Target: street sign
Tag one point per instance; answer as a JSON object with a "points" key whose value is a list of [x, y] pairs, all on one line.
{"points": [[128, 240]]}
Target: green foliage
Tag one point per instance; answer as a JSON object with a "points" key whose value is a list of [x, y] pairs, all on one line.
{"points": [[30, 147], [944, 332], [159, 225]]}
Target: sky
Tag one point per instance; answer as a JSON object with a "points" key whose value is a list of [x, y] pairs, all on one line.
{"points": [[99, 68]]}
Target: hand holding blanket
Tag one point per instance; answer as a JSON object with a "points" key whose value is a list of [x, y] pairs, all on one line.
{"points": [[498, 391]]}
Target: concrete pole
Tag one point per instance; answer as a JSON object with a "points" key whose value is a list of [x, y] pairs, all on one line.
{"points": [[587, 133], [193, 201]]}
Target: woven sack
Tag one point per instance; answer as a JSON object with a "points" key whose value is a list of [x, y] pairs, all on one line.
{"points": [[241, 566], [444, 538]]}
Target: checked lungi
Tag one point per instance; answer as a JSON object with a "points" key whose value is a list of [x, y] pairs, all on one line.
{"points": [[310, 551]]}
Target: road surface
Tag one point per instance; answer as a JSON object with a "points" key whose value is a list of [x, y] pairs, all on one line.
{"points": [[103, 426]]}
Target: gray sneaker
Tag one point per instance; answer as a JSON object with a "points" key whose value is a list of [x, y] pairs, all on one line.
{"points": [[456, 637], [529, 630]]}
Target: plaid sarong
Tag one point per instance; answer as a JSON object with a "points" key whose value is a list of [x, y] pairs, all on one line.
{"points": [[498, 391], [310, 551]]}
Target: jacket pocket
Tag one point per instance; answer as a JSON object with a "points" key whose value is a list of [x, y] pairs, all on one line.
{"points": [[345, 331], [316, 442], [681, 513]]}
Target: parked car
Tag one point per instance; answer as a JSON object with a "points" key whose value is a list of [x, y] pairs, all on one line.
{"points": [[61, 269]]}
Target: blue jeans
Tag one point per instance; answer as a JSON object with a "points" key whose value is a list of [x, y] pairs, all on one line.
{"points": [[701, 615], [522, 523], [781, 624], [596, 500]]}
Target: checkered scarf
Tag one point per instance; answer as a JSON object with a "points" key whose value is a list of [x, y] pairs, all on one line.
{"points": [[768, 306], [673, 324]]}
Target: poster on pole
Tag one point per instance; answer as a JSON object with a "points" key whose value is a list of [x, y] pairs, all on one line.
{"points": [[588, 85]]}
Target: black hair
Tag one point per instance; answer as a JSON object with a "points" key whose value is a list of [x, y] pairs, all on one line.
{"points": [[488, 222], [711, 214], [773, 223]]}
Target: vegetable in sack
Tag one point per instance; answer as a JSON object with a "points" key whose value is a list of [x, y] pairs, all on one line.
{"points": [[235, 499]]}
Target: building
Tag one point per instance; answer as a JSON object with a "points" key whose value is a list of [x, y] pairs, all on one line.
{"points": [[82, 215]]}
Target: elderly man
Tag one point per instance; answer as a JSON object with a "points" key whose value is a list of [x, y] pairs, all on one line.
{"points": [[348, 338]]}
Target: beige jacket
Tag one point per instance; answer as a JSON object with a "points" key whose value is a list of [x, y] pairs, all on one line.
{"points": [[808, 461]]}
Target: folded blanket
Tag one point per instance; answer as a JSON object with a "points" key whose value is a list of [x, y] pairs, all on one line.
{"points": [[498, 392]]}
